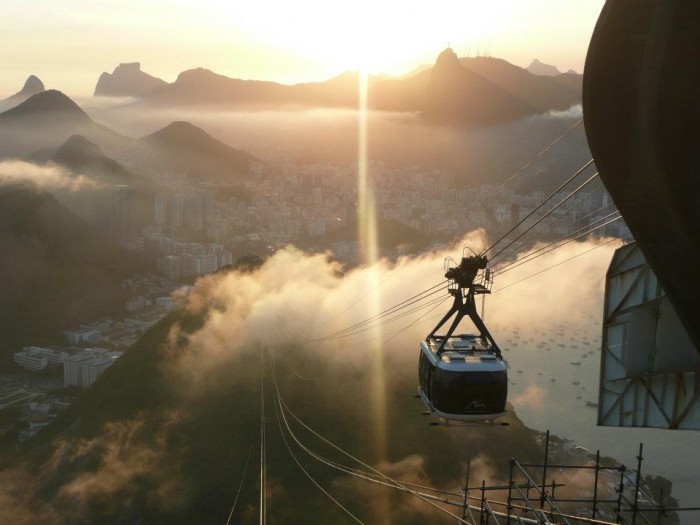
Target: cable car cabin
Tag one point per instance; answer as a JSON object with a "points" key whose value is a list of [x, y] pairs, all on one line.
{"points": [[464, 377], [467, 381]]}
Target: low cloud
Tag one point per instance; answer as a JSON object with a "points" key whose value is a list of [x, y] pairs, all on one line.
{"points": [[298, 298], [49, 176], [531, 397], [102, 474], [125, 455], [384, 503], [574, 112]]}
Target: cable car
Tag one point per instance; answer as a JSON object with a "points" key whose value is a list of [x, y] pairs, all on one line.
{"points": [[464, 377]]}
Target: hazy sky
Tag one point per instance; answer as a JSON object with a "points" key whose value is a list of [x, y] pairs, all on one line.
{"points": [[68, 43]]}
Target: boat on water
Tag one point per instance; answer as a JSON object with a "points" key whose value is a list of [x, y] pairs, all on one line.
{"points": [[591, 404], [575, 363]]}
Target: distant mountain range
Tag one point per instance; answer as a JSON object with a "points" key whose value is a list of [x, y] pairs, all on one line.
{"points": [[46, 120], [542, 93], [51, 126], [480, 90], [127, 80]]}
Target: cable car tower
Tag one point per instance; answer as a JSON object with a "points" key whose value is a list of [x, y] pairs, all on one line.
{"points": [[464, 377]]}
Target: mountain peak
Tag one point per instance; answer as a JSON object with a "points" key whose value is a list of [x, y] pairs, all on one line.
{"points": [[179, 131], [127, 80], [540, 68], [447, 56], [447, 67], [457, 94], [78, 154], [128, 67], [78, 143], [32, 86], [197, 74], [191, 150], [51, 101]]}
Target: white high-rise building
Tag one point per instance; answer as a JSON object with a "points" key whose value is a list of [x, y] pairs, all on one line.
{"points": [[194, 212], [123, 222], [72, 368], [161, 208], [205, 264], [177, 210], [93, 369], [187, 265], [84, 368], [169, 266], [209, 206]]}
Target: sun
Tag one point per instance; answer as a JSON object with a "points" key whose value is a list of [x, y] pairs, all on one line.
{"points": [[378, 36]]}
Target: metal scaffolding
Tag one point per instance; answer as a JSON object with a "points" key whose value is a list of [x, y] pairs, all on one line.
{"points": [[534, 496]]}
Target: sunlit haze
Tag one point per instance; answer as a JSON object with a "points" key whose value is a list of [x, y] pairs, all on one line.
{"points": [[69, 43]]}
